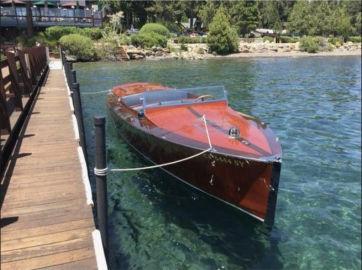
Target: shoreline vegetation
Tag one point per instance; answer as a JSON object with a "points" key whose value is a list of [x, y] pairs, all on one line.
{"points": [[216, 29], [199, 51], [154, 42]]}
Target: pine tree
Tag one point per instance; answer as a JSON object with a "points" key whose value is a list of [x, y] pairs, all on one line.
{"points": [[207, 12], [244, 15], [300, 19], [222, 38]]}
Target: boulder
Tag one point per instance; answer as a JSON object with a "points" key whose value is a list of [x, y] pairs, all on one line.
{"points": [[137, 56], [158, 53], [136, 53]]}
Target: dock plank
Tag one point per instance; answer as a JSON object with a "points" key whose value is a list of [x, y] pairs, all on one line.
{"points": [[50, 260], [45, 220], [46, 229]]}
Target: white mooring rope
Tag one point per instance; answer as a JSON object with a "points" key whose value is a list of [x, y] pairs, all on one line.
{"points": [[103, 172], [95, 93]]}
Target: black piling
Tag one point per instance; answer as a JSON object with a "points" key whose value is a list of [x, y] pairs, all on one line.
{"points": [[67, 70], [101, 179], [73, 76], [77, 102]]}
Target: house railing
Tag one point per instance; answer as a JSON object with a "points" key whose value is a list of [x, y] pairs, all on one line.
{"points": [[50, 16]]}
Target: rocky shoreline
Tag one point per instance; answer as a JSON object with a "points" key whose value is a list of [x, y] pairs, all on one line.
{"points": [[198, 51], [262, 49]]}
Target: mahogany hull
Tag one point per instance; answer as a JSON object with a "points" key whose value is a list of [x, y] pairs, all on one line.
{"points": [[249, 185]]}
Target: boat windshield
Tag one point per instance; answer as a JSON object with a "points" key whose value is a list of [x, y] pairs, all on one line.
{"points": [[183, 96]]}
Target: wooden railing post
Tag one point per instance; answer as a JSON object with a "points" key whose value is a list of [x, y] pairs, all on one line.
{"points": [[101, 179], [15, 81]]}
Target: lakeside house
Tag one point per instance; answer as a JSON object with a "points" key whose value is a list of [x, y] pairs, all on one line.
{"points": [[81, 13], [261, 32]]}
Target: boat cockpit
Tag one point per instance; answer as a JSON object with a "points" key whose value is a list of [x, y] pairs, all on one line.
{"points": [[174, 97]]}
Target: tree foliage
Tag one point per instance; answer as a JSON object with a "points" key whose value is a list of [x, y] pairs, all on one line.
{"points": [[300, 17], [207, 12], [222, 38], [244, 16], [321, 18], [269, 15]]}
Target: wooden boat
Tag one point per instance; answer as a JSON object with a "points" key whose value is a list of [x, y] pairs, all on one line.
{"points": [[164, 124]]}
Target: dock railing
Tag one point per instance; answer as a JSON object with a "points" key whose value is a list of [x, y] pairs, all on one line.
{"points": [[22, 73], [71, 77], [100, 158]]}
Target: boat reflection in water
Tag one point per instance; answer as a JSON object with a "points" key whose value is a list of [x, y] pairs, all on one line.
{"points": [[242, 166]]}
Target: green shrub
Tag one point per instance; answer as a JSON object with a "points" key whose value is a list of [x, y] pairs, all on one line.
{"points": [[80, 46], [157, 28], [106, 49], [355, 39], [171, 48], [288, 39], [38, 38], [148, 40], [190, 40], [124, 40], [336, 41], [309, 44], [268, 38], [92, 33], [26, 41], [222, 38], [183, 47], [56, 32]]}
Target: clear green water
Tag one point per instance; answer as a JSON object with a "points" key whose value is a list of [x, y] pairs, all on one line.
{"points": [[312, 104]]}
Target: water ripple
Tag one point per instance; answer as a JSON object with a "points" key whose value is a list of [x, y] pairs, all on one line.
{"points": [[314, 106]]}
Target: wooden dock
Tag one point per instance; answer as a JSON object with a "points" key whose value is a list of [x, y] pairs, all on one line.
{"points": [[46, 221]]}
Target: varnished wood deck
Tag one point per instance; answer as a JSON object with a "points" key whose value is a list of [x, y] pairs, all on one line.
{"points": [[45, 220]]}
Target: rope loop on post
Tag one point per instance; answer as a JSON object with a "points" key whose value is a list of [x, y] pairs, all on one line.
{"points": [[101, 172]]}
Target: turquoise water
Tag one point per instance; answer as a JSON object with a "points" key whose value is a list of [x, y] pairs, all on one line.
{"points": [[313, 104]]}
